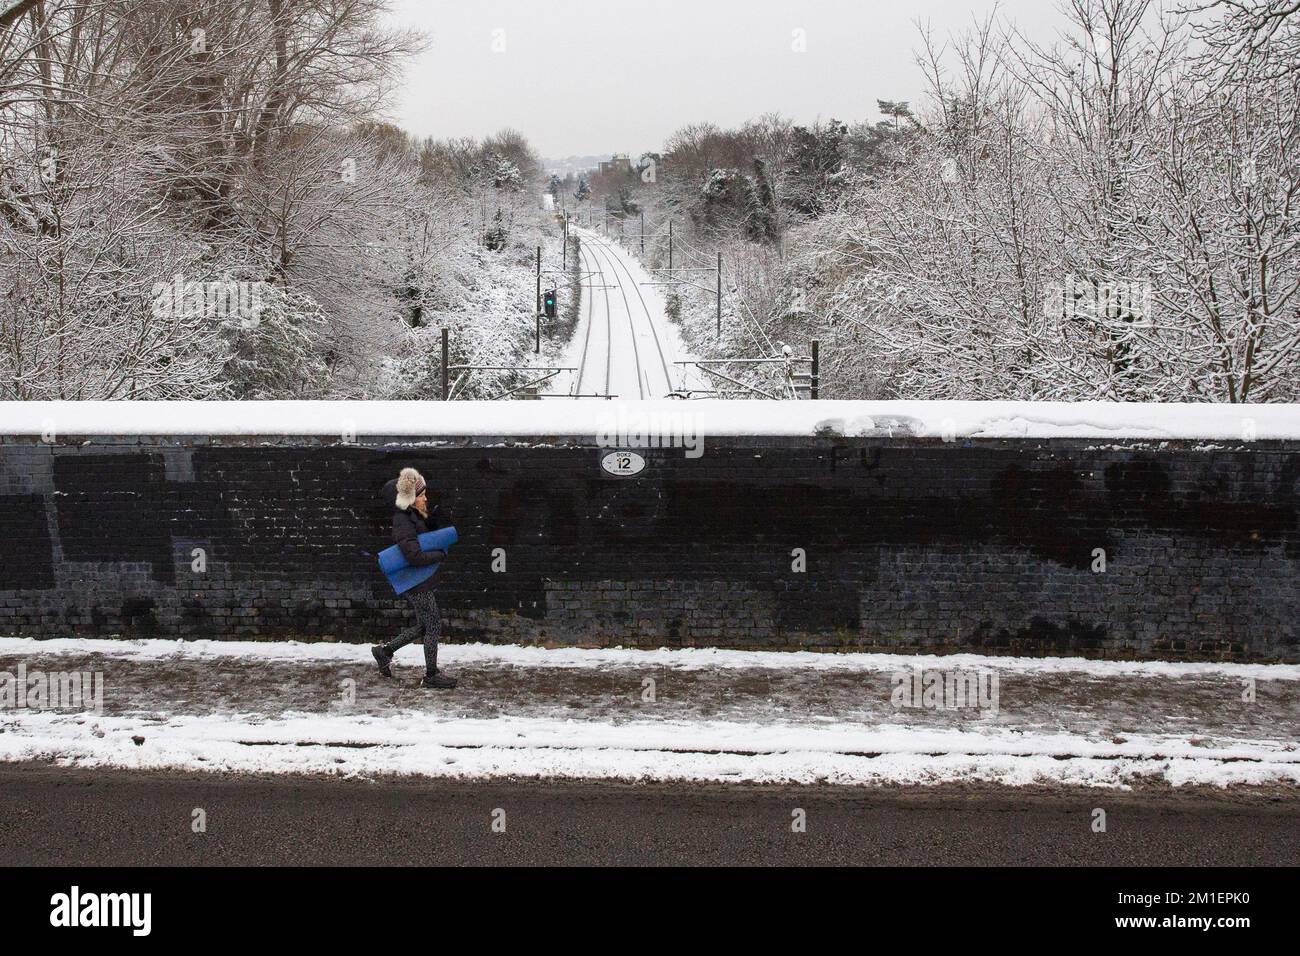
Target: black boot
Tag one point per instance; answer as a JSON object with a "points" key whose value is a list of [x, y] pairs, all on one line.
{"points": [[383, 657], [438, 680]]}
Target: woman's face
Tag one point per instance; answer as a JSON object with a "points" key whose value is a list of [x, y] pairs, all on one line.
{"points": [[422, 501]]}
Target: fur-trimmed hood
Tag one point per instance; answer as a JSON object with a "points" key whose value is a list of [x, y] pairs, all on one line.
{"points": [[403, 491]]}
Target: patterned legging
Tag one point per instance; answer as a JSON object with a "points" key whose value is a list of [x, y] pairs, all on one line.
{"points": [[428, 622]]}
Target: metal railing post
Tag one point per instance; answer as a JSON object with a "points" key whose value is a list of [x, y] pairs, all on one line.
{"points": [[444, 364], [814, 381]]}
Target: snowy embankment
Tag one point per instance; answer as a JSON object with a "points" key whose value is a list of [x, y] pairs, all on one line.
{"points": [[712, 418], [713, 715]]}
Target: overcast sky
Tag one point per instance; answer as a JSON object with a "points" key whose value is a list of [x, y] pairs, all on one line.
{"points": [[598, 76]]}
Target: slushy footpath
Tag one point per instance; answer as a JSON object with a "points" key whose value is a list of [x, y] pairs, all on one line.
{"points": [[689, 714]]}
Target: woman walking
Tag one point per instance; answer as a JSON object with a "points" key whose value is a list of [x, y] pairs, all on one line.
{"points": [[412, 517]]}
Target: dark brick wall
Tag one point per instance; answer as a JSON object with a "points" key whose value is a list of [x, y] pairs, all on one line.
{"points": [[911, 544]]}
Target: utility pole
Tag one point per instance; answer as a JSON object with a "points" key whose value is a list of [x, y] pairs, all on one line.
{"points": [[719, 295], [670, 245], [643, 233], [564, 255], [444, 363], [537, 306]]}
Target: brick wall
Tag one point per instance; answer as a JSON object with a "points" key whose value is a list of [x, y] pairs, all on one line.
{"points": [[910, 543]]}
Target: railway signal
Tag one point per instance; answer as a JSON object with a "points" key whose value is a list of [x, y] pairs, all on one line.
{"points": [[549, 306]]}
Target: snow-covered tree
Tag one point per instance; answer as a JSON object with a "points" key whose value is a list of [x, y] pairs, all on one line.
{"points": [[1093, 220]]}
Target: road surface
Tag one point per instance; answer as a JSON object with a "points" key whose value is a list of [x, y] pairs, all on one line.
{"points": [[55, 816]]}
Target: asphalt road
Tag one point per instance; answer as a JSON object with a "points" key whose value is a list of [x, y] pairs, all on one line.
{"points": [[54, 816]]}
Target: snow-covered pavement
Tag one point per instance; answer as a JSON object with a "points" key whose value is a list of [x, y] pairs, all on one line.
{"points": [[624, 344], [657, 715]]}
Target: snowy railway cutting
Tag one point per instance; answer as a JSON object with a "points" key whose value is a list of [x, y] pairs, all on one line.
{"points": [[625, 346]]}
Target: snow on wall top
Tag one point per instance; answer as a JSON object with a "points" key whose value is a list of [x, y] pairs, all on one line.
{"points": [[709, 418]]}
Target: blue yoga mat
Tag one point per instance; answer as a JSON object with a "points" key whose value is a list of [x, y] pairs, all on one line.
{"points": [[401, 575]]}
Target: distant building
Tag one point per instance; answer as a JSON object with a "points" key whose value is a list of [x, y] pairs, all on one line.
{"points": [[618, 163]]}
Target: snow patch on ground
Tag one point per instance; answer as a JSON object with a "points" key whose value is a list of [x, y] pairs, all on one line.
{"points": [[676, 658], [417, 745]]}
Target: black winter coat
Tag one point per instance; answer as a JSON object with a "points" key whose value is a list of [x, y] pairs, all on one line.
{"points": [[408, 525]]}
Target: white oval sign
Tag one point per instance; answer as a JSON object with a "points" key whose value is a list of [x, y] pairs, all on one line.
{"points": [[623, 463]]}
